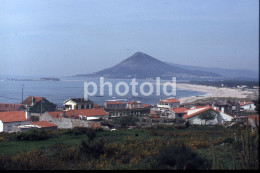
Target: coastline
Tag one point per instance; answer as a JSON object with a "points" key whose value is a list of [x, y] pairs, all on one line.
{"points": [[210, 92]]}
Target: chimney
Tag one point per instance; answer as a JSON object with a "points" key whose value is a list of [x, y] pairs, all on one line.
{"points": [[222, 109], [33, 100], [27, 114]]}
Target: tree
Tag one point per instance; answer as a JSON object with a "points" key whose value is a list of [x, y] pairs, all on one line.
{"points": [[126, 121], [207, 115]]}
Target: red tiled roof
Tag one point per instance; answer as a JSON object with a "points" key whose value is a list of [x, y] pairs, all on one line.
{"points": [[147, 105], [154, 116], [56, 114], [196, 107], [28, 100], [202, 110], [169, 101], [43, 124], [77, 112], [87, 112], [115, 103], [13, 116], [9, 106], [179, 110], [245, 103]]}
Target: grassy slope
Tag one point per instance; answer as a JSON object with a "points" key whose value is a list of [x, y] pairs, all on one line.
{"points": [[14, 147], [118, 136]]}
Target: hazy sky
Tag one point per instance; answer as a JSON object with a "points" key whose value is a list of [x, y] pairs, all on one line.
{"points": [[68, 37]]}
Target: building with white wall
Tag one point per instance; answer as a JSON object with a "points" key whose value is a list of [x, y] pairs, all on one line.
{"points": [[133, 104], [77, 103], [12, 118], [193, 115], [247, 106], [168, 104]]}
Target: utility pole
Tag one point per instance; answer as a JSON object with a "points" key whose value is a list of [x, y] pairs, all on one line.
{"points": [[41, 107], [22, 93]]}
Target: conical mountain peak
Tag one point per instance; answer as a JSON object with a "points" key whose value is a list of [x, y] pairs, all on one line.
{"points": [[141, 65], [141, 58]]}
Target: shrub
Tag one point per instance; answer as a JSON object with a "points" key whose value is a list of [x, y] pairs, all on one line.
{"points": [[187, 124], [180, 157], [76, 131], [64, 152], [91, 133], [126, 121], [92, 149], [154, 132], [229, 140], [32, 135]]}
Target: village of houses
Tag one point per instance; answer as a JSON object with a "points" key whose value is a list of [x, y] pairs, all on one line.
{"points": [[37, 112]]}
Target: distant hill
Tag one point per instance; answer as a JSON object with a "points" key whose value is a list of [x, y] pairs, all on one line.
{"points": [[142, 66], [242, 74]]}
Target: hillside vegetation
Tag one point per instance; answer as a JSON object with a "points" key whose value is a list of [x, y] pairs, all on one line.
{"points": [[196, 147]]}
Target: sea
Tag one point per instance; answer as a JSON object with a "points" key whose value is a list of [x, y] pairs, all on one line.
{"points": [[12, 91]]}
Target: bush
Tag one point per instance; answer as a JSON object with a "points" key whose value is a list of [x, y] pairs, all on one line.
{"points": [[32, 135], [229, 140], [180, 157], [126, 121], [80, 131], [187, 124], [92, 149], [64, 152], [154, 132]]}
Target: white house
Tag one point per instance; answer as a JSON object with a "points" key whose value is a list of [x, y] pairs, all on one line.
{"points": [[193, 115], [247, 106], [168, 104], [77, 103], [133, 104], [12, 118]]}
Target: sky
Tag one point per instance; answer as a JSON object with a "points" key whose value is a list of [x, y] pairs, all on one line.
{"points": [[69, 37]]}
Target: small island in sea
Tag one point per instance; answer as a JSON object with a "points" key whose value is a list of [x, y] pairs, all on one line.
{"points": [[41, 79]]}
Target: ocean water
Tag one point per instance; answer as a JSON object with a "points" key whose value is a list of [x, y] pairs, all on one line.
{"points": [[68, 87]]}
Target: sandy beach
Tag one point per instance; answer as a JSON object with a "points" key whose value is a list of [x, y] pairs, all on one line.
{"points": [[212, 92]]}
